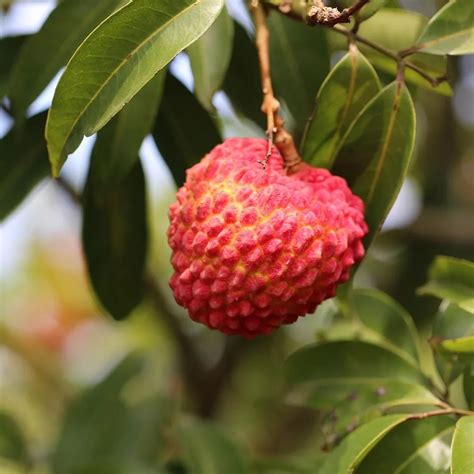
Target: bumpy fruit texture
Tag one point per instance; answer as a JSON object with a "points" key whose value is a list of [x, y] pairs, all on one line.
{"points": [[254, 249]]}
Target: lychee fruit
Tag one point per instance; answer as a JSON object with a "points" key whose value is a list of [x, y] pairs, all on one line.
{"points": [[255, 248]]}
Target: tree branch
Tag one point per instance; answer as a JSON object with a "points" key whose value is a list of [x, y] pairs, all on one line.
{"points": [[315, 12], [270, 107], [319, 14], [299, 11]]}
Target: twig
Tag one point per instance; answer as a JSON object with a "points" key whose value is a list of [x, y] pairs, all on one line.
{"points": [[270, 106], [299, 11], [449, 410], [319, 14], [434, 81]]}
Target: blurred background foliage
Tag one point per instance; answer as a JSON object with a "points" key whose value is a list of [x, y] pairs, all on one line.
{"points": [[81, 393]]}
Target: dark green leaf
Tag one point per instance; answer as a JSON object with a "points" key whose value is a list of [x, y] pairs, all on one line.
{"points": [[96, 427], [184, 131], [348, 362], [414, 444], [391, 325], [9, 47], [242, 83], [46, 52], [115, 237], [462, 452], [12, 441], [344, 93], [118, 143], [376, 152], [207, 451], [346, 405], [355, 447], [210, 58], [452, 322], [451, 30], [23, 162], [468, 385], [299, 58], [115, 61], [452, 279], [113, 467]]}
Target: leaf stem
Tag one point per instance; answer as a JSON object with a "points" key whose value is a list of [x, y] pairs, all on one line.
{"points": [[444, 411]]}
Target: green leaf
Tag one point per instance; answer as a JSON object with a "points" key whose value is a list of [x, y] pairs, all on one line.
{"points": [[348, 405], [23, 162], [451, 279], [453, 339], [12, 441], [46, 52], [118, 143], [348, 362], [207, 451], [102, 434], [460, 345], [115, 61], [376, 152], [355, 447], [397, 29], [210, 58], [391, 325], [452, 322], [345, 92], [367, 10], [115, 236], [9, 47], [184, 131], [451, 30], [462, 452], [370, 9], [415, 444], [300, 61], [97, 425], [468, 385]]}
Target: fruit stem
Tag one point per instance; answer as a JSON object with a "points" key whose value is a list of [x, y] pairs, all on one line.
{"points": [[276, 133]]}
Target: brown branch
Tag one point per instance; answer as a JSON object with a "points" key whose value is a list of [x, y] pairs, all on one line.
{"points": [[299, 11], [314, 12], [319, 14], [270, 106], [434, 81]]}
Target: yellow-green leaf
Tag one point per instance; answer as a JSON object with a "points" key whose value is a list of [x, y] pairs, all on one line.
{"points": [[462, 452], [451, 30]]}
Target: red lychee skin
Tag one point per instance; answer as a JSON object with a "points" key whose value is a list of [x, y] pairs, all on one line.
{"points": [[254, 249]]}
